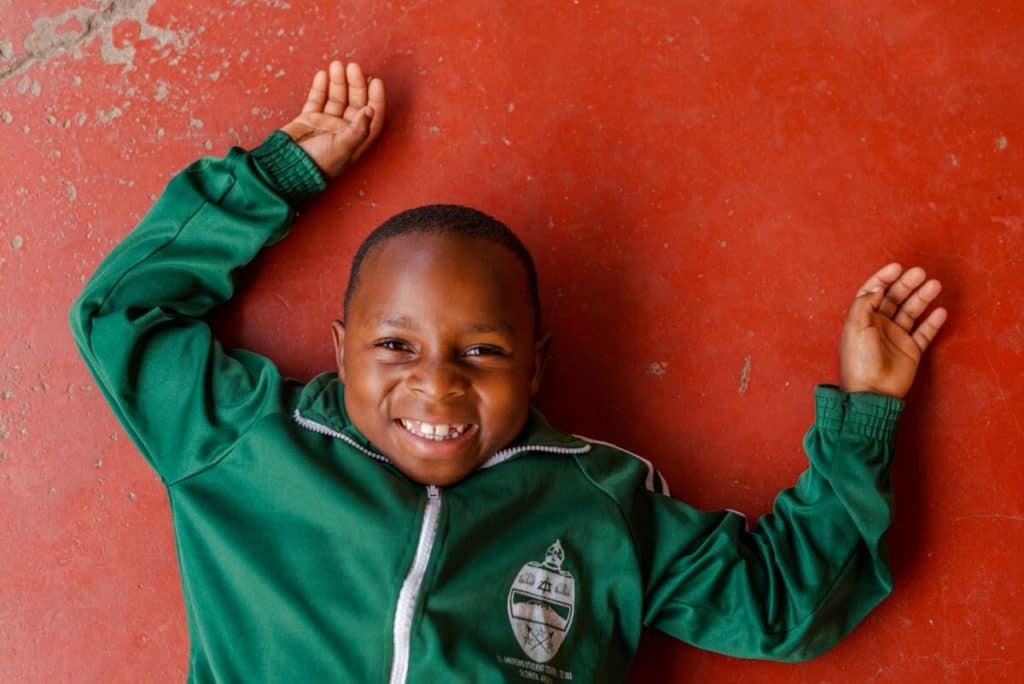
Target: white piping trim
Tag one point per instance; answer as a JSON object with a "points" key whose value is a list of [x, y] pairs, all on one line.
{"points": [[746, 520], [649, 482], [406, 606], [506, 454], [495, 458], [324, 430]]}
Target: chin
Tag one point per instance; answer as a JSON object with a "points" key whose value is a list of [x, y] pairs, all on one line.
{"points": [[430, 474]]}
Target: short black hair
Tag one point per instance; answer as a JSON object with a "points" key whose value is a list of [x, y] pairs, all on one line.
{"points": [[448, 219]]}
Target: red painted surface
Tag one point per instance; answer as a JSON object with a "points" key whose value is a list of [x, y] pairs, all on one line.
{"points": [[703, 185]]}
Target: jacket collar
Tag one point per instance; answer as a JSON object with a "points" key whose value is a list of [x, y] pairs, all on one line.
{"points": [[321, 407]]}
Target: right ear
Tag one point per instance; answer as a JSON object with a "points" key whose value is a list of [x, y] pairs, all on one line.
{"points": [[338, 333]]}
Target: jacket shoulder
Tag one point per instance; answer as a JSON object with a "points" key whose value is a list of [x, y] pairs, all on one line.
{"points": [[618, 471]]}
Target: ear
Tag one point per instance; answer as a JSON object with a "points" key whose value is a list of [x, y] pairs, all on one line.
{"points": [[338, 333], [540, 359]]}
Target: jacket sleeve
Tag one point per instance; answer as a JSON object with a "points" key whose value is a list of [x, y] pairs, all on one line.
{"points": [[182, 398], [809, 571]]}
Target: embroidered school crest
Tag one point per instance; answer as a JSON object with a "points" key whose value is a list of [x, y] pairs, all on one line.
{"points": [[541, 603]]}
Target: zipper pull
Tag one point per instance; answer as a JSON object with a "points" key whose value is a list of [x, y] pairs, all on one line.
{"points": [[433, 491]]}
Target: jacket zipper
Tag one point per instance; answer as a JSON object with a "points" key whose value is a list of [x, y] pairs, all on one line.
{"points": [[406, 607]]}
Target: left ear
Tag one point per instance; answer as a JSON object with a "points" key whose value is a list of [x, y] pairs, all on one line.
{"points": [[338, 334], [540, 359]]}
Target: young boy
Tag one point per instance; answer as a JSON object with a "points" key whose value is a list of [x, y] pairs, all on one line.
{"points": [[411, 517]]}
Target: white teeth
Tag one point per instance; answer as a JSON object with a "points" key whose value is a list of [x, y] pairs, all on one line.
{"points": [[437, 432]]}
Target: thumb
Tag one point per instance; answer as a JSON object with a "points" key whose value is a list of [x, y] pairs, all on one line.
{"points": [[864, 304], [356, 132], [361, 125], [353, 135]]}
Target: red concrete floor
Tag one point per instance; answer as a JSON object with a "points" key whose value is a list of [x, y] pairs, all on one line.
{"points": [[704, 186]]}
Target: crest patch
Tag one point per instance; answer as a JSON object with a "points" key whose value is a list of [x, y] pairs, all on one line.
{"points": [[541, 603]]}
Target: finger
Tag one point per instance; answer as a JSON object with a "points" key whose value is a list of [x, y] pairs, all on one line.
{"points": [[929, 328], [356, 86], [916, 303], [376, 94], [900, 290], [317, 93], [870, 294], [377, 98], [338, 96]]}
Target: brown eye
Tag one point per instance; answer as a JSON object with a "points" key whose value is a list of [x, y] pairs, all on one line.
{"points": [[393, 345], [484, 350]]}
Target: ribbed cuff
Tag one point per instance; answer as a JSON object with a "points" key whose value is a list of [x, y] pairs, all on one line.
{"points": [[288, 168], [867, 414]]}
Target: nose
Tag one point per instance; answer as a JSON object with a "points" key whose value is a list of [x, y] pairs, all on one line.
{"points": [[437, 379]]}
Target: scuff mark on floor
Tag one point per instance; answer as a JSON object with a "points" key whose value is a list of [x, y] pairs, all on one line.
{"points": [[45, 42], [657, 368], [745, 375]]}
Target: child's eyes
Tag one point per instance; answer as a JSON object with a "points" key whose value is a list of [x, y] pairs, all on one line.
{"points": [[484, 350], [393, 345], [476, 350]]}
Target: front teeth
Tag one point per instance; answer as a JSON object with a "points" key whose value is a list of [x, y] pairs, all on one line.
{"points": [[437, 432]]}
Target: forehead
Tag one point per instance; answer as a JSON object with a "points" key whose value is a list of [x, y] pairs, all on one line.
{"points": [[441, 276]]}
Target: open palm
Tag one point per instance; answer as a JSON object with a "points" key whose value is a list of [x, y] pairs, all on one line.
{"points": [[341, 118], [880, 348]]}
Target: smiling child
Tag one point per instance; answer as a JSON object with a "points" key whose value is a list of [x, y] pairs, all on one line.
{"points": [[410, 516], [440, 350]]}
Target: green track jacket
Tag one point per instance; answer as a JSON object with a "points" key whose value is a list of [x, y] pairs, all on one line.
{"points": [[305, 556]]}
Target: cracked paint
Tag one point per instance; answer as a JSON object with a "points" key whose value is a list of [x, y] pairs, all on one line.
{"points": [[45, 41]]}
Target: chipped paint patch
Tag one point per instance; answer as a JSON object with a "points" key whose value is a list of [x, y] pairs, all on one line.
{"points": [[276, 4], [107, 117], [87, 23]]}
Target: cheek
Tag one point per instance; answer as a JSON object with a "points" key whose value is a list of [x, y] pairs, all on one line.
{"points": [[505, 400], [368, 383]]}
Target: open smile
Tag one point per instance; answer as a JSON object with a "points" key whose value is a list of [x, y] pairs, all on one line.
{"points": [[438, 432], [439, 438]]}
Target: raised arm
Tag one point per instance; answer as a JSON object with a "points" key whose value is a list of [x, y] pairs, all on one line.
{"points": [[812, 569], [182, 398]]}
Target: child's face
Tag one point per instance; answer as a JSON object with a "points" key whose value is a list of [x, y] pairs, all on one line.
{"points": [[439, 332]]}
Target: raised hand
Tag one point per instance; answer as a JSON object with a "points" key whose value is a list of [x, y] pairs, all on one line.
{"points": [[880, 347], [342, 117]]}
